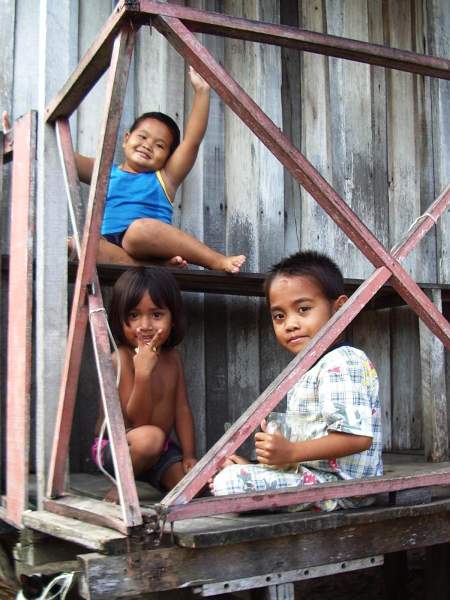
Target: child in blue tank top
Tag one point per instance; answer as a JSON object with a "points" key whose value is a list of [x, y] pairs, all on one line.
{"points": [[139, 201]]}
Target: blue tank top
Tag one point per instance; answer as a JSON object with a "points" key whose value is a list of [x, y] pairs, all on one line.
{"points": [[133, 196]]}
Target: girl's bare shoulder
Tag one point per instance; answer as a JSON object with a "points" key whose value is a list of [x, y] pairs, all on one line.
{"points": [[172, 358]]}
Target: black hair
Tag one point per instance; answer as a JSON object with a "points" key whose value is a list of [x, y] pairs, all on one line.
{"points": [[311, 264], [163, 289], [163, 118]]}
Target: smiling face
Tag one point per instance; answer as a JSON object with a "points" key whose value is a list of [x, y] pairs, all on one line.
{"points": [[147, 147], [299, 310], [148, 318]]}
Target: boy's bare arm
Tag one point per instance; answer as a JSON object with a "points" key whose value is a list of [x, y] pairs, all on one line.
{"points": [[274, 449], [183, 159]]}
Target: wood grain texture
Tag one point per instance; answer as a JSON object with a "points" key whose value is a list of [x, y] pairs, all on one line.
{"points": [[170, 568], [20, 317], [434, 401], [438, 41], [57, 35]]}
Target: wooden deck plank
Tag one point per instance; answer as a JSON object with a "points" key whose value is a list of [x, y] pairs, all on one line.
{"points": [[96, 512], [166, 568], [237, 529], [100, 539]]}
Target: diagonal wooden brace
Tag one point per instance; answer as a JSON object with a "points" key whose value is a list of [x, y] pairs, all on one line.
{"points": [[388, 266], [250, 419], [126, 485], [302, 170], [115, 93]]}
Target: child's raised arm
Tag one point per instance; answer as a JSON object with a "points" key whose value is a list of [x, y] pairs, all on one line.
{"points": [[183, 159]]}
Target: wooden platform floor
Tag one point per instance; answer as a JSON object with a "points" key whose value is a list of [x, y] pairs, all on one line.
{"points": [[216, 553]]}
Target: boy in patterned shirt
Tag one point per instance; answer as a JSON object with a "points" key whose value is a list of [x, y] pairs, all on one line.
{"points": [[333, 411]]}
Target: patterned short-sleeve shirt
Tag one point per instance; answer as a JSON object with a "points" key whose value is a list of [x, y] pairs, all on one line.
{"points": [[339, 393]]}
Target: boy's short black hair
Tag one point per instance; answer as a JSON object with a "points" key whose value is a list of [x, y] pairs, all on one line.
{"points": [[163, 118], [163, 289], [311, 264]]}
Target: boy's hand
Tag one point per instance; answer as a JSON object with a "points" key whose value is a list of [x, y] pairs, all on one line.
{"points": [[188, 463], [198, 83], [272, 448], [147, 352]]}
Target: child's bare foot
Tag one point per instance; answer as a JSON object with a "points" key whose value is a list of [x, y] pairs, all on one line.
{"points": [[233, 459], [176, 261], [232, 264], [112, 496]]}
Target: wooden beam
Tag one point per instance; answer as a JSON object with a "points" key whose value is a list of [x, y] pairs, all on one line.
{"points": [[299, 495], [71, 180], [171, 568], [304, 172], [90, 68], [434, 397], [300, 39], [93, 537], [246, 424], [20, 318], [266, 130], [112, 410], [88, 510], [120, 63], [129, 501]]}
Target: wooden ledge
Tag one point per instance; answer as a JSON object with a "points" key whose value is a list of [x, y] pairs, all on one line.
{"points": [[250, 284]]}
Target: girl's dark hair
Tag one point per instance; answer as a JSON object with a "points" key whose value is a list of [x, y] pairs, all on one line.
{"points": [[163, 118], [163, 290], [311, 264]]}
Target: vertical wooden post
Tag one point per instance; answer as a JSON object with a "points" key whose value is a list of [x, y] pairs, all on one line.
{"points": [[20, 317], [434, 401], [111, 404], [120, 62], [7, 19]]}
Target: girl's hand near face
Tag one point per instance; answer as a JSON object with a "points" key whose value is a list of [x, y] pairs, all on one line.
{"points": [[147, 352], [273, 448]]}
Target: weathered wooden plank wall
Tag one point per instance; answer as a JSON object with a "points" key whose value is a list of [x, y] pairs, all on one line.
{"points": [[381, 138]]}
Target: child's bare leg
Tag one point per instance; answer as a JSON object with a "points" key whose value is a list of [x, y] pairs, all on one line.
{"points": [[146, 444], [111, 253], [149, 237], [172, 476]]}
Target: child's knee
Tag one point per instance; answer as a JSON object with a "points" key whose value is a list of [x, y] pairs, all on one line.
{"points": [[147, 441]]}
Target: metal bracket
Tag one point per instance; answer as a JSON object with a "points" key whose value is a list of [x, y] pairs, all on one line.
{"points": [[236, 585]]}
